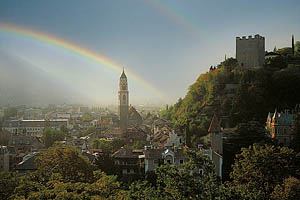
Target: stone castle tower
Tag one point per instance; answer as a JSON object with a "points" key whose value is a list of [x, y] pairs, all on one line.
{"points": [[250, 52], [123, 101]]}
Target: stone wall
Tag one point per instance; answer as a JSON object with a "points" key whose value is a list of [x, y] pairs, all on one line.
{"points": [[250, 52]]}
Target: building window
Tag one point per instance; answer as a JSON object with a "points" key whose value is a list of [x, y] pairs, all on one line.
{"points": [[124, 98], [181, 161], [201, 171], [276, 130], [169, 161], [284, 131]]}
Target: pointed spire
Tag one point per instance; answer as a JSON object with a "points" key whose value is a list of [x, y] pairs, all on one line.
{"points": [[123, 75], [214, 125]]}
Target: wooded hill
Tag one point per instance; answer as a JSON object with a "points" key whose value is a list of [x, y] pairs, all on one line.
{"points": [[236, 95]]}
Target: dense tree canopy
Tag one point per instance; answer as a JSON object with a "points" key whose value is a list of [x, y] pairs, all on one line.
{"points": [[181, 183], [89, 130], [67, 161], [63, 173], [50, 136], [259, 169], [10, 112], [86, 117], [289, 190], [108, 145]]}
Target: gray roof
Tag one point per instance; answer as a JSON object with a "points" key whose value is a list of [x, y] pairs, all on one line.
{"points": [[28, 162], [283, 118], [10, 123], [126, 153]]}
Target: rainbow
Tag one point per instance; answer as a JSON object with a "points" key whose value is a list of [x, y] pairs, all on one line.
{"points": [[174, 15], [78, 50]]}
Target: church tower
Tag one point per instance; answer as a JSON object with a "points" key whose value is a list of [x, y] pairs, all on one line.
{"points": [[123, 101]]}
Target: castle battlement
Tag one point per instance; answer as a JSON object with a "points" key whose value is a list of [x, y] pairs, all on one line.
{"points": [[250, 51], [257, 36]]}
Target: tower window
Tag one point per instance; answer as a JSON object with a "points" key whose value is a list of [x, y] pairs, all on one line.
{"points": [[124, 98]]}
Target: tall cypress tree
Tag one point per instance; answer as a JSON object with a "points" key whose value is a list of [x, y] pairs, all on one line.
{"points": [[293, 45]]}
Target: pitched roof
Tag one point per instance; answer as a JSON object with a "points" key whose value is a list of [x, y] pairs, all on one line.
{"points": [[283, 118], [28, 162], [126, 153], [153, 153], [133, 114], [214, 125]]}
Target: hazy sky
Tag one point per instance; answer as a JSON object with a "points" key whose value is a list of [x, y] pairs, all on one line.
{"points": [[167, 43]]}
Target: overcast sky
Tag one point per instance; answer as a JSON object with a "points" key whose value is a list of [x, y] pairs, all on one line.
{"points": [[167, 43]]}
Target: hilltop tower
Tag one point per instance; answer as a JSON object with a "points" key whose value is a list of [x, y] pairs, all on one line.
{"points": [[123, 101], [250, 52]]}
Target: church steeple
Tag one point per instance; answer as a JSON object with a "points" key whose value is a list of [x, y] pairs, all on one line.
{"points": [[123, 75], [123, 101]]}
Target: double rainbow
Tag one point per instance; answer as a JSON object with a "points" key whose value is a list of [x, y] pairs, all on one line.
{"points": [[76, 49]]}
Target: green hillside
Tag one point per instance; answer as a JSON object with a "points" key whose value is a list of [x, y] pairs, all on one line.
{"points": [[236, 95]]}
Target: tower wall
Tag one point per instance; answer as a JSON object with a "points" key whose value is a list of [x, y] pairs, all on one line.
{"points": [[123, 109], [123, 102], [217, 142], [250, 52]]}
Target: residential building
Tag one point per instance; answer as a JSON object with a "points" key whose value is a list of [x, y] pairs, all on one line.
{"points": [[83, 109], [24, 143], [166, 137], [33, 113], [126, 161], [279, 126], [32, 127]]}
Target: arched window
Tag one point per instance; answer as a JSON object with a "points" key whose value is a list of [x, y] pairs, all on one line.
{"points": [[124, 97]]}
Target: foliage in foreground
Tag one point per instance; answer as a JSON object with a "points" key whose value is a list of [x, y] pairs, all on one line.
{"points": [[259, 172], [181, 183], [264, 172]]}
